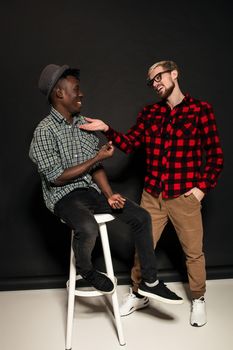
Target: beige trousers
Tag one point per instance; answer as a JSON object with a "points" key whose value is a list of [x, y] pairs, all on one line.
{"points": [[185, 215]]}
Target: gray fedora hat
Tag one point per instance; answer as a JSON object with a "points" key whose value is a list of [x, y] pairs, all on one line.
{"points": [[49, 77]]}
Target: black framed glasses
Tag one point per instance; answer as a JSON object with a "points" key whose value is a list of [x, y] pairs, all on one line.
{"points": [[157, 78]]}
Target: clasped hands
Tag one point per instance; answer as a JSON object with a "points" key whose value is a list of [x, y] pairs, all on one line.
{"points": [[116, 201]]}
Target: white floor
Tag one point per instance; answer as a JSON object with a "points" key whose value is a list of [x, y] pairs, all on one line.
{"points": [[35, 320]]}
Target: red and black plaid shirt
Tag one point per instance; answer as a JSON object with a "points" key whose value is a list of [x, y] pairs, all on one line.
{"points": [[174, 141]]}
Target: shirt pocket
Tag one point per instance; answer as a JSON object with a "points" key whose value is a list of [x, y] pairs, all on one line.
{"points": [[186, 127]]}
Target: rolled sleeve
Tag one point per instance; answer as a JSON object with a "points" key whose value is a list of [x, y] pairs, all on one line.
{"points": [[44, 154]]}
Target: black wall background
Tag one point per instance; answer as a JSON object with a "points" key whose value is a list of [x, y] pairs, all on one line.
{"points": [[114, 43]]}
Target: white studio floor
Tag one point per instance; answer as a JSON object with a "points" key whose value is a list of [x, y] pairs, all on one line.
{"points": [[36, 320]]}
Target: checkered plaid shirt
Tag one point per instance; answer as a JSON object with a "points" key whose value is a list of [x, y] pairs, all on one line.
{"points": [[174, 141], [57, 145]]}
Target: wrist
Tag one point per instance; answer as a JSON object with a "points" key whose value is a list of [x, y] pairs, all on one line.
{"points": [[108, 194]]}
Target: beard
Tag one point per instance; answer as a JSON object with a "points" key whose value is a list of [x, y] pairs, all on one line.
{"points": [[167, 92]]}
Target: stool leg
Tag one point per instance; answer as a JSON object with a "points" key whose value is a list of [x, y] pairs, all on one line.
{"points": [[110, 273], [71, 299]]}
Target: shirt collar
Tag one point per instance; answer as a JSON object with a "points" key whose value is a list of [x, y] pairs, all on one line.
{"points": [[59, 117], [186, 100], [56, 115]]}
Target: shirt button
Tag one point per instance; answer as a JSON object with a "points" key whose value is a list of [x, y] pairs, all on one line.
{"points": [[76, 155]]}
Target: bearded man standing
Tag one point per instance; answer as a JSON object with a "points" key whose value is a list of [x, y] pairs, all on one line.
{"points": [[183, 161]]}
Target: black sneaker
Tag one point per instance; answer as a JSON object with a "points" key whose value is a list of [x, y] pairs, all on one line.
{"points": [[99, 281], [160, 292]]}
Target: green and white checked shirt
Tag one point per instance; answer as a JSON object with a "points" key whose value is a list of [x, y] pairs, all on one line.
{"points": [[57, 145]]}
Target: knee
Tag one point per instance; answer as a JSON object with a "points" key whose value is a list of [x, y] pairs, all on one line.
{"points": [[88, 228], [143, 217]]}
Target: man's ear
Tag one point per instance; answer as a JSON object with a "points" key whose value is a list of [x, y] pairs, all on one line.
{"points": [[174, 74], [59, 92]]}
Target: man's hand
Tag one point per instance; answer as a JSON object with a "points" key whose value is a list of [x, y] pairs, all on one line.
{"points": [[196, 192], [116, 201], [94, 125], [106, 151]]}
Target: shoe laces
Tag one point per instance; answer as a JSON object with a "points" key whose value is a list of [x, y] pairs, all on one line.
{"points": [[198, 300], [129, 295], [196, 303], [162, 284]]}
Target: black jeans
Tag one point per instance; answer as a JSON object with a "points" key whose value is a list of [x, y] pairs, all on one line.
{"points": [[77, 209]]}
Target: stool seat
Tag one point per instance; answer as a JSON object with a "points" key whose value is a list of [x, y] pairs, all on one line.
{"points": [[101, 219]]}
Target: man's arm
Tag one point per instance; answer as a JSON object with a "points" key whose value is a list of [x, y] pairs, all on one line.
{"points": [[128, 142], [45, 155], [72, 173], [116, 201], [213, 150]]}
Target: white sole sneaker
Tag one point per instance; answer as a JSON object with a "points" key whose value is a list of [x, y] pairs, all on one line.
{"points": [[198, 316], [159, 298], [132, 303], [159, 292]]}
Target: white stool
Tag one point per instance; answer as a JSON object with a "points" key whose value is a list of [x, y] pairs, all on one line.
{"points": [[72, 292]]}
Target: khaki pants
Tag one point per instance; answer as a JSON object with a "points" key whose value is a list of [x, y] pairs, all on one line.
{"points": [[185, 215]]}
